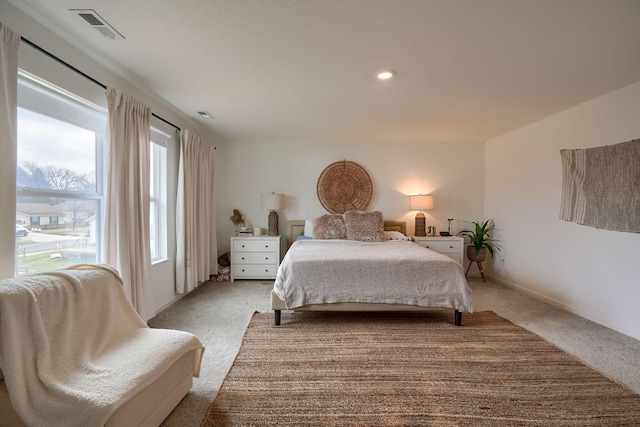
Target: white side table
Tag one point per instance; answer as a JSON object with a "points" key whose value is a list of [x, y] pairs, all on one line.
{"points": [[256, 257]]}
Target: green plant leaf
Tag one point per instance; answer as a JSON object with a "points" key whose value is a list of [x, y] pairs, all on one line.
{"points": [[480, 235]]}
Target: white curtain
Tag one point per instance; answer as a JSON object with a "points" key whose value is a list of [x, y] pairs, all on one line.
{"points": [[127, 243], [9, 44], [196, 253]]}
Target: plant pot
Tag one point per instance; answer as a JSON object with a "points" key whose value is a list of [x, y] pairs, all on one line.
{"points": [[471, 254]]}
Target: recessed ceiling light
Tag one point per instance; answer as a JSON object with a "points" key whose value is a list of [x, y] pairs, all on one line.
{"points": [[386, 74], [205, 115]]}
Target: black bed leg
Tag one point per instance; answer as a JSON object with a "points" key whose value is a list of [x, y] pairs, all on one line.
{"points": [[276, 314], [458, 318]]}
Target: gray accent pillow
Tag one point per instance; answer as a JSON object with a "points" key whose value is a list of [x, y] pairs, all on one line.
{"points": [[364, 226], [329, 226]]}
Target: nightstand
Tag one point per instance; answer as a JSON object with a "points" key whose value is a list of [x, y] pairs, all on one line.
{"points": [[256, 257], [451, 246]]}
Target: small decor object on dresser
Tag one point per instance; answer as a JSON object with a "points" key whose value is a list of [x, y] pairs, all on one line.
{"points": [[344, 186], [237, 218], [448, 232], [244, 231]]}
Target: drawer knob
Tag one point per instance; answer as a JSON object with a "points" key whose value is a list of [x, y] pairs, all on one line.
{"points": [[427, 246], [242, 257], [451, 246], [243, 246]]}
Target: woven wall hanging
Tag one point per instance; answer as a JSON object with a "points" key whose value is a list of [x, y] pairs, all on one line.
{"points": [[344, 186]]}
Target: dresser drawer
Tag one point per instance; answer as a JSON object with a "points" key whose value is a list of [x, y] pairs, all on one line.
{"points": [[454, 256], [250, 245], [255, 258], [442, 247], [248, 271], [450, 246]]}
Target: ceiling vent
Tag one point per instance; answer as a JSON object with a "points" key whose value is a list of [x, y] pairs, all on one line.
{"points": [[205, 115], [96, 21]]}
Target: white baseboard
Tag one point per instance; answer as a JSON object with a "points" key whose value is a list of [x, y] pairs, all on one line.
{"points": [[169, 303], [533, 293], [594, 317]]}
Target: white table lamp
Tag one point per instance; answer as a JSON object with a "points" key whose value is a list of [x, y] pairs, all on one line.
{"points": [[272, 202], [420, 202]]}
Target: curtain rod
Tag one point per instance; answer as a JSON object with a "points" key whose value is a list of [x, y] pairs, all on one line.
{"points": [[83, 74]]}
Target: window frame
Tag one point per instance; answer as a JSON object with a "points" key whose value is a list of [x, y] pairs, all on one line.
{"points": [[52, 93], [158, 196]]}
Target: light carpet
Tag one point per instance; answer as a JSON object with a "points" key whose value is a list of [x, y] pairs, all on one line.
{"points": [[386, 369]]}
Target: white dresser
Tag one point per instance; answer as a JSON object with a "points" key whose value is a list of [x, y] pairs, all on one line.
{"points": [[256, 257], [451, 246]]}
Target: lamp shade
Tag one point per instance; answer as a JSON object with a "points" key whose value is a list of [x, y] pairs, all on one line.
{"points": [[421, 202], [272, 201]]}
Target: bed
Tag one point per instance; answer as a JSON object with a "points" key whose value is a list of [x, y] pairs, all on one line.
{"points": [[346, 275]]}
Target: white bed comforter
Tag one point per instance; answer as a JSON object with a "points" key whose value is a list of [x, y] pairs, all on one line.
{"points": [[391, 272], [72, 348]]}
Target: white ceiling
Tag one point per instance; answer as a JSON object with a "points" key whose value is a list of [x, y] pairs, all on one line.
{"points": [[467, 70]]}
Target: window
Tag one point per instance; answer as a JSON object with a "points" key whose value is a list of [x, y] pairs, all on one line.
{"points": [[59, 176], [158, 193]]}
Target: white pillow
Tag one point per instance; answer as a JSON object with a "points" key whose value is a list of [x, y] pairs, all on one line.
{"points": [[308, 227], [395, 235]]}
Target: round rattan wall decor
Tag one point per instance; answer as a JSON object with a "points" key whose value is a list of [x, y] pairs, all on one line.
{"points": [[344, 186]]}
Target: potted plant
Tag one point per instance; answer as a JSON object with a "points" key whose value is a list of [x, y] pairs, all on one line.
{"points": [[480, 240]]}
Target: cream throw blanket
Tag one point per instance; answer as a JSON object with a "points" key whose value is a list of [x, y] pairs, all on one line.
{"points": [[73, 349]]}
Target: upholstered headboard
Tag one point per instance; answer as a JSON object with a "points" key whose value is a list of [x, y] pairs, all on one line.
{"points": [[295, 228], [400, 226]]}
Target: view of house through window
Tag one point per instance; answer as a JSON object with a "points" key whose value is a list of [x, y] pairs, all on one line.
{"points": [[59, 177]]}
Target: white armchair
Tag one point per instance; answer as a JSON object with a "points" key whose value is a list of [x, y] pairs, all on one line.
{"points": [[73, 351]]}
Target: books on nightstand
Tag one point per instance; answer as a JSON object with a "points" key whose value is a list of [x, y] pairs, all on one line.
{"points": [[244, 233]]}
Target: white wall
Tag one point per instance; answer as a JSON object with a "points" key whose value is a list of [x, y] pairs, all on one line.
{"points": [[163, 276], [588, 271], [453, 172]]}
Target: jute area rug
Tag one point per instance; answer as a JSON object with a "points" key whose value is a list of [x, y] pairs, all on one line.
{"points": [[410, 369]]}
